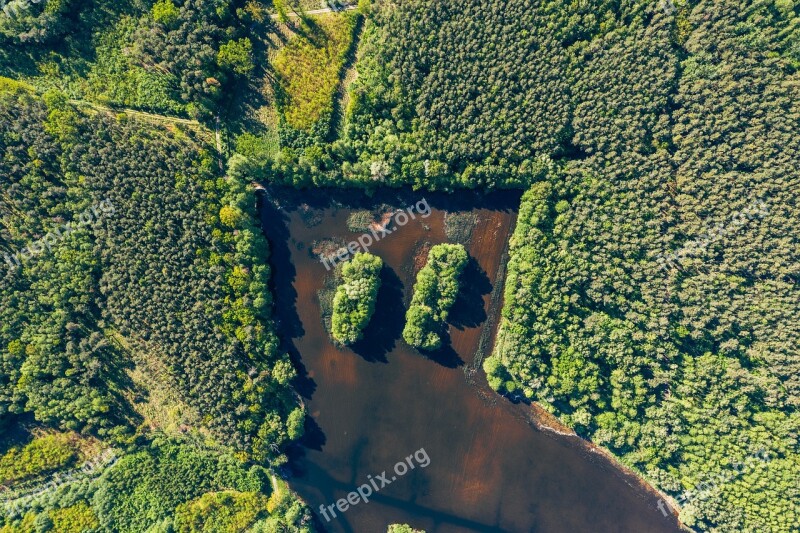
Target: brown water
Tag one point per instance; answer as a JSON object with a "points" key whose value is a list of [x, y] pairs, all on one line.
{"points": [[372, 406]]}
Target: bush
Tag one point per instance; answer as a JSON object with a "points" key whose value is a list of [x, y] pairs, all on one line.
{"points": [[40, 456], [228, 511], [146, 487]]}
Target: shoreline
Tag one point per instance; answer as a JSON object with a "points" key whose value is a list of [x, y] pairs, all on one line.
{"points": [[539, 417], [546, 422]]}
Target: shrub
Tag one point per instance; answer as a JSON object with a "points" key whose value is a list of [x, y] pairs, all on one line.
{"points": [[43, 454], [228, 511]]}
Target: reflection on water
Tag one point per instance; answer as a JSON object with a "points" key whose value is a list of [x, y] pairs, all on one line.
{"points": [[374, 404]]}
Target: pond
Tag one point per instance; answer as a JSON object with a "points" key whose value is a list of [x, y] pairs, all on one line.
{"points": [[489, 464]]}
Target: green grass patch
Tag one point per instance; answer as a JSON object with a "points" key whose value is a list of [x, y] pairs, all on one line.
{"points": [[308, 69]]}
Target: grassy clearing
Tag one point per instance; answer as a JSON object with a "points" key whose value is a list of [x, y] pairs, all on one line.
{"points": [[308, 69]]}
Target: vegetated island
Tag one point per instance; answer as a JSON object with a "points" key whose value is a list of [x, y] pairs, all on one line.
{"points": [[435, 291], [356, 294]]}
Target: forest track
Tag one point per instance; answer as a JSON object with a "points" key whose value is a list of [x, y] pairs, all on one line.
{"points": [[133, 112]]}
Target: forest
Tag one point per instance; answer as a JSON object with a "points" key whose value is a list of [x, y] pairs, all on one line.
{"points": [[135, 310], [162, 297]]}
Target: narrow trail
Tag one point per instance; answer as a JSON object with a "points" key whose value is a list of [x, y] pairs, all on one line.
{"points": [[135, 113], [163, 119]]}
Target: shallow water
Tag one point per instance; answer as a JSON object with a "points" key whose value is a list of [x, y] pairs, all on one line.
{"points": [[376, 404]]}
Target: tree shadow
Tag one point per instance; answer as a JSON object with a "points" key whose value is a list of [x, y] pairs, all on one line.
{"points": [[445, 355], [275, 225], [468, 310], [313, 438], [321, 197], [386, 325]]}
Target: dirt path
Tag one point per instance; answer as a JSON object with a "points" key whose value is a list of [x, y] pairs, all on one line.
{"points": [[135, 113]]}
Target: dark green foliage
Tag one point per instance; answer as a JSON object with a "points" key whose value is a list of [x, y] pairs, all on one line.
{"points": [[179, 57], [183, 270], [177, 267], [54, 364], [355, 297], [681, 371], [435, 292]]}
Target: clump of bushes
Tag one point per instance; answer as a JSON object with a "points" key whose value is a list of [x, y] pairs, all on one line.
{"points": [[354, 302], [220, 511], [435, 293], [403, 528], [360, 220], [42, 455]]}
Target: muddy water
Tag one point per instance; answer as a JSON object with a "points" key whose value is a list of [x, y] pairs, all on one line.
{"points": [[376, 404]]}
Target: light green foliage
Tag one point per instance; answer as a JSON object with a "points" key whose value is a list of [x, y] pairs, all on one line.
{"points": [[157, 482], [43, 454], [228, 511], [294, 423], [78, 518], [402, 528], [165, 12], [237, 56], [307, 75], [355, 297], [435, 291]]}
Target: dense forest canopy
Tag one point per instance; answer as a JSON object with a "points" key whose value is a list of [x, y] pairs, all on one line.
{"points": [[160, 283], [435, 292], [651, 298]]}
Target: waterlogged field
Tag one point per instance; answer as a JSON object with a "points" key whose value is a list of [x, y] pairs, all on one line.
{"points": [[373, 406]]}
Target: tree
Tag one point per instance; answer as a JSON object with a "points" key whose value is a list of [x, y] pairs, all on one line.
{"points": [[236, 56]]}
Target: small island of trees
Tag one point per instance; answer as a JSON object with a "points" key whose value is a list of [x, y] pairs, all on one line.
{"points": [[355, 297], [435, 292]]}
